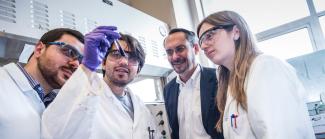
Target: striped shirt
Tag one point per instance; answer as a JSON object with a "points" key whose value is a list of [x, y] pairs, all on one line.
{"points": [[38, 88]]}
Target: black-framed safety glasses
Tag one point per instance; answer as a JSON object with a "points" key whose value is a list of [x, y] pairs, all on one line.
{"points": [[68, 50], [208, 34], [117, 55]]}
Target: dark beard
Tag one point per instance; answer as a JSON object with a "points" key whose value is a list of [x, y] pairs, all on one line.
{"points": [[190, 64], [179, 61], [121, 83], [48, 74], [113, 81]]}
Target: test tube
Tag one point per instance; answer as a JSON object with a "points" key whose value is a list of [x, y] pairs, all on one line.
{"points": [[118, 45]]}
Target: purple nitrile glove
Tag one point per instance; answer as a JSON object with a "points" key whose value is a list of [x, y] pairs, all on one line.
{"points": [[97, 44]]}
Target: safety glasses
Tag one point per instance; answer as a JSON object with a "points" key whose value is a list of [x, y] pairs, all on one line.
{"points": [[116, 55], [68, 50], [208, 35]]}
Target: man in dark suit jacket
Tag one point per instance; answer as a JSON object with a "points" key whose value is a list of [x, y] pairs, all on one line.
{"points": [[192, 81]]}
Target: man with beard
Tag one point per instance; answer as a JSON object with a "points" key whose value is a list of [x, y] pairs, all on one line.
{"points": [[23, 89], [90, 107], [189, 97]]}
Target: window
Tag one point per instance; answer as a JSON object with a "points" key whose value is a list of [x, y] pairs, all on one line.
{"points": [[287, 46], [322, 24], [319, 5], [148, 89], [261, 14]]}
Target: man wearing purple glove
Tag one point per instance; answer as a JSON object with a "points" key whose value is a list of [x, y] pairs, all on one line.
{"points": [[90, 107]]}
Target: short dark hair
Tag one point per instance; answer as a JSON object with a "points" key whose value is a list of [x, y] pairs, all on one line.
{"points": [[136, 49], [189, 35], [57, 33]]}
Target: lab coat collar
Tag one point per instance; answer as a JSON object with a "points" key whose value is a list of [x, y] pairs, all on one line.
{"points": [[16, 74], [230, 100], [111, 96], [137, 111]]}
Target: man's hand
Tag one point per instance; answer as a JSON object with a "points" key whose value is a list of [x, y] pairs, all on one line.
{"points": [[97, 44]]}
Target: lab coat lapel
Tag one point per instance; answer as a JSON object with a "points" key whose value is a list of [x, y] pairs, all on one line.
{"points": [[18, 77], [137, 111], [230, 100], [21, 81], [117, 104]]}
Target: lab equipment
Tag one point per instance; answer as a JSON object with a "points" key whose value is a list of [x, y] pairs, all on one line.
{"points": [[158, 110], [159, 113], [150, 131]]}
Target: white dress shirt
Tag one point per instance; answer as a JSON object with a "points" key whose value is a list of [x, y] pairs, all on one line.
{"points": [[189, 108]]}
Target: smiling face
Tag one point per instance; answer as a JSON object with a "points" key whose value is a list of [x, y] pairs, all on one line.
{"points": [[54, 65], [218, 45], [119, 71], [180, 53]]}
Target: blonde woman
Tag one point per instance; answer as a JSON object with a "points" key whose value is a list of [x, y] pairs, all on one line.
{"points": [[259, 96]]}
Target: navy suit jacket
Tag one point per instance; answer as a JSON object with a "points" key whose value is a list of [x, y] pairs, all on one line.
{"points": [[210, 114]]}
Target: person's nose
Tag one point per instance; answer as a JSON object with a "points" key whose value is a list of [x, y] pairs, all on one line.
{"points": [[174, 56], [204, 46], [123, 61], [74, 63]]}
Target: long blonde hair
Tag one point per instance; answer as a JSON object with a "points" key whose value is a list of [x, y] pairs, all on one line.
{"points": [[245, 53]]}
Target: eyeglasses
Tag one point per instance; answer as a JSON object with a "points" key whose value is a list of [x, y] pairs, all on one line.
{"points": [[208, 35], [68, 50], [116, 55], [178, 49]]}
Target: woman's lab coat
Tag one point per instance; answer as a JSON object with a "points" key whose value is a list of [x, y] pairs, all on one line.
{"points": [[20, 106], [86, 108], [276, 104]]}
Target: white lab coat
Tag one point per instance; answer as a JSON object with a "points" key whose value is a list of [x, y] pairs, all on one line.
{"points": [[20, 106], [86, 108], [275, 101]]}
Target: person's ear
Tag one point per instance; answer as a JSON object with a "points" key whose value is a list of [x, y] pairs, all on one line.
{"points": [[139, 69], [39, 49], [196, 48], [236, 33], [103, 67], [103, 64]]}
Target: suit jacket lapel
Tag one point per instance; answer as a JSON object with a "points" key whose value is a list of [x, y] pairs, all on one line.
{"points": [[205, 92], [175, 88]]}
